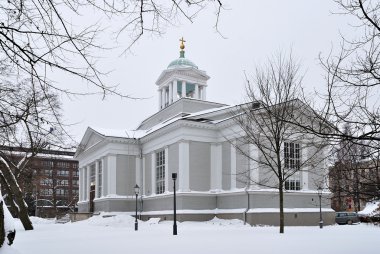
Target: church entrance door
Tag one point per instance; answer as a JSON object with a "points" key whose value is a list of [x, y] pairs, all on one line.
{"points": [[92, 196]]}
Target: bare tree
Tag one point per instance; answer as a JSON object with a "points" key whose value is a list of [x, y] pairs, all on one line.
{"points": [[355, 174], [30, 119], [42, 37], [38, 38], [278, 144], [353, 79]]}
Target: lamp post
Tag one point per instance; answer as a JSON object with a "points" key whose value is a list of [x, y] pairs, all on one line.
{"points": [[174, 177], [320, 207], [137, 188]]}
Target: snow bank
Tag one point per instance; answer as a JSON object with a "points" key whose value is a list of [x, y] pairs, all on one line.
{"points": [[109, 220], [371, 208], [222, 222], [38, 220]]}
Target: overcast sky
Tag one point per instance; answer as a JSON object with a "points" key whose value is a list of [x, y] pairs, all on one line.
{"points": [[254, 30]]}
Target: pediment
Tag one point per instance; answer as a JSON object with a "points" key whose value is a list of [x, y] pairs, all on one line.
{"points": [[89, 140]]}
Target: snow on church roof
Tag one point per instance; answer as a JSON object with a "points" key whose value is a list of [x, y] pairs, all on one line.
{"points": [[123, 133], [120, 133]]}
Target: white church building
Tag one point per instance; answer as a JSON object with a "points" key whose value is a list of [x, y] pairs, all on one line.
{"points": [[187, 136]]}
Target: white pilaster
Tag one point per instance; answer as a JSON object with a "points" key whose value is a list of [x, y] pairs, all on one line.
{"points": [[143, 192], [96, 178], [170, 93], [254, 176], [111, 164], [166, 169], [175, 90], [163, 97], [159, 99], [153, 172], [81, 184], [183, 167], [325, 168], [233, 166], [88, 183], [304, 167], [216, 167], [196, 92], [183, 89], [138, 172], [84, 189], [103, 177]]}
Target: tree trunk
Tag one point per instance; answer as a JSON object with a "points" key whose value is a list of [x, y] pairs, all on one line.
{"points": [[2, 228], [13, 208], [282, 219], [18, 196]]}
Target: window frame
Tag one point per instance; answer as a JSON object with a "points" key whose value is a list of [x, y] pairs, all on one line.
{"points": [[160, 172], [292, 161]]}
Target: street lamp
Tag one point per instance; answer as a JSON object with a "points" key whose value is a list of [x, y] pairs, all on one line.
{"points": [[320, 190], [174, 177], [137, 188]]}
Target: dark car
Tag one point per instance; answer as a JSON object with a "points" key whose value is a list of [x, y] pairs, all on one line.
{"points": [[346, 218], [369, 218]]}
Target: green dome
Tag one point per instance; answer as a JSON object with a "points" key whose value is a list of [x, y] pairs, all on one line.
{"points": [[181, 62]]}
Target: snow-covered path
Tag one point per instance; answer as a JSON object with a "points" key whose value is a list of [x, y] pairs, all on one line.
{"points": [[114, 235]]}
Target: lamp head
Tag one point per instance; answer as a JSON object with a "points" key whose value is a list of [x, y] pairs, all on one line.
{"points": [[320, 190], [137, 189]]}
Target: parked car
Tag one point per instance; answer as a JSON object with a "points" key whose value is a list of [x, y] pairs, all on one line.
{"points": [[346, 218], [370, 218]]}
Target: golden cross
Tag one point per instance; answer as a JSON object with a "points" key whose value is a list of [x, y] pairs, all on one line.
{"points": [[182, 46]]}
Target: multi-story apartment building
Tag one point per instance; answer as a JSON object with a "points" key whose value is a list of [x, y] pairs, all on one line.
{"points": [[354, 184], [50, 181]]}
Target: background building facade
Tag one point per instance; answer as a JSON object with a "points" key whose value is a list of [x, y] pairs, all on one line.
{"points": [[50, 181]]}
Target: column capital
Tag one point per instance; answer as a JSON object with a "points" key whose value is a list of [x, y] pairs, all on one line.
{"points": [[184, 141]]}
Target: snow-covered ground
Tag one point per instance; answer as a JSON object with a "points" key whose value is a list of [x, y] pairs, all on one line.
{"points": [[113, 235]]}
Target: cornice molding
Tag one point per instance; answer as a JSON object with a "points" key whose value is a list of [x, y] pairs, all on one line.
{"points": [[178, 74]]}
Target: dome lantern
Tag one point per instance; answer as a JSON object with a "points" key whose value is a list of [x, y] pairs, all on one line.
{"points": [[181, 79]]}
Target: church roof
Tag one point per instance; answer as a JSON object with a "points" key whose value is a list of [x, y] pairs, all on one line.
{"points": [[137, 134], [181, 62]]}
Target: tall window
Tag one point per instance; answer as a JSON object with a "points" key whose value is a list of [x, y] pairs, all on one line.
{"points": [[46, 192], [92, 174], [293, 182], [76, 173], [62, 182], [292, 164], [63, 173], [100, 179], [160, 172], [61, 192]]}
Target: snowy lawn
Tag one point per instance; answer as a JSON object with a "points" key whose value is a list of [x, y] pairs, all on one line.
{"points": [[116, 234]]}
